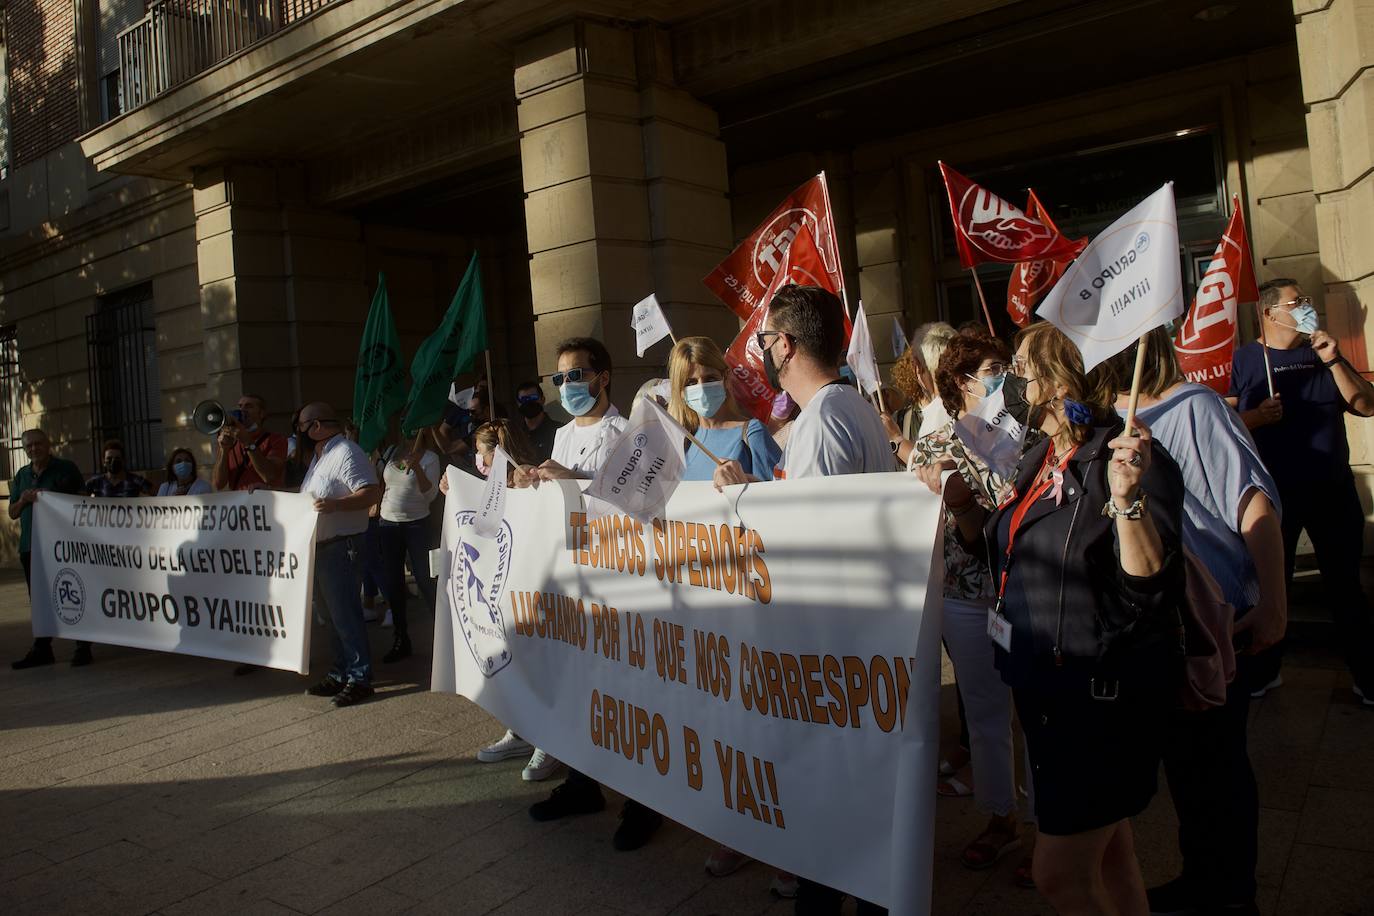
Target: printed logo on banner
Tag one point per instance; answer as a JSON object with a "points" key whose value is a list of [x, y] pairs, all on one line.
{"points": [[475, 589], [69, 596], [996, 227], [777, 237]]}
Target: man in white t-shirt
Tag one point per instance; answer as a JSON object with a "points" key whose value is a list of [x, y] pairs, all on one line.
{"points": [[343, 482], [837, 432]]}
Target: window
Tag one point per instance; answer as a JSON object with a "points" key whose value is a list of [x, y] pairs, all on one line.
{"points": [[11, 404], [111, 101], [121, 345]]}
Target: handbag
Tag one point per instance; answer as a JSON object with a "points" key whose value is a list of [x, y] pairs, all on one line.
{"points": [[1209, 656]]}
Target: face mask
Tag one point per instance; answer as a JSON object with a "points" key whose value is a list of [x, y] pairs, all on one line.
{"points": [[576, 398], [705, 398], [183, 469], [990, 385], [1014, 393], [847, 373], [482, 466], [782, 405], [530, 409], [1304, 319], [114, 465]]}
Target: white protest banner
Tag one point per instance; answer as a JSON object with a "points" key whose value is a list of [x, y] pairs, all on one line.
{"points": [[461, 399], [861, 358], [644, 465], [899, 341], [758, 666], [223, 576], [1126, 282], [991, 433], [493, 504], [649, 323]]}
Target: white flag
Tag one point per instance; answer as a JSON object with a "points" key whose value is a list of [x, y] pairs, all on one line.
{"points": [[645, 464], [862, 361], [492, 509], [461, 399], [649, 322], [899, 341], [992, 434], [1127, 282]]}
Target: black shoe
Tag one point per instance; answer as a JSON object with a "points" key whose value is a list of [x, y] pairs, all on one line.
{"points": [[352, 692], [637, 825], [1175, 898], [399, 649], [82, 657], [566, 800], [328, 687], [37, 657]]}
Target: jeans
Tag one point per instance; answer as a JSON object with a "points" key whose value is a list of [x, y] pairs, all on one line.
{"points": [[1214, 792], [987, 705], [26, 561], [1331, 514], [400, 540], [336, 589], [373, 579]]}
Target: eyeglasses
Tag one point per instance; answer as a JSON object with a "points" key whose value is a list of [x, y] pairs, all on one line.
{"points": [[1294, 303], [761, 338], [572, 375], [990, 371], [1019, 366]]}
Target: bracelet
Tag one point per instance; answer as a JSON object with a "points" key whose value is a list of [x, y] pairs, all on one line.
{"points": [[1134, 512], [1337, 359]]}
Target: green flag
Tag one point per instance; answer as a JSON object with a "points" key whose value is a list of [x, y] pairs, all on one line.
{"points": [[451, 349], [379, 389]]}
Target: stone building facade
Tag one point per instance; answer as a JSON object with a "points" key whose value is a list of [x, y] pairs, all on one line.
{"points": [[186, 216]]}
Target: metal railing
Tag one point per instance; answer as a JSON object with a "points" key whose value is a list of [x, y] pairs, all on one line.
{"points": [[177, 39]]}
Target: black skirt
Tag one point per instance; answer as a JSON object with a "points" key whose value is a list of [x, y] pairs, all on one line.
{"points": [[1094, 762]]}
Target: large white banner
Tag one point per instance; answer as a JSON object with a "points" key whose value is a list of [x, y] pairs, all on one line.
{"points": [[224, 576], [761, 666]]}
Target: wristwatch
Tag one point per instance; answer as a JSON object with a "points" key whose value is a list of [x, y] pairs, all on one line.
{"points": [[1134, 512], [251, 447]]}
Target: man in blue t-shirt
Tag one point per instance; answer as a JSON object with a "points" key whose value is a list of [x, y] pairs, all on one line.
{"points": [[1300, 434]]}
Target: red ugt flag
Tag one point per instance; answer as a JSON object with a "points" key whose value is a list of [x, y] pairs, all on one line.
{"points": [[742, 279], [1032, 279], [802, 264], [987, 228], [1206, 340]]}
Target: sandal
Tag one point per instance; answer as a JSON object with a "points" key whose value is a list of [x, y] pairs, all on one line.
{"points": [[1023, 877], [952, 787], [984, 851]]}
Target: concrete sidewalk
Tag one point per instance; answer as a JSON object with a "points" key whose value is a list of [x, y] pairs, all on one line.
{"points": [[162, 783]]}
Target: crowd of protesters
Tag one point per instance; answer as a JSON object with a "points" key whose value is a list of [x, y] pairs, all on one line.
{"points": [[1067, 581]]}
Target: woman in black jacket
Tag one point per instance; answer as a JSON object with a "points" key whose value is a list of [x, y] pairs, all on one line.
{"points": [[1087, 561]]}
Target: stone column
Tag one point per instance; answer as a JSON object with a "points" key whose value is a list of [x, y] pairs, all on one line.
{"points": [[625, 184], [1336, 56]]}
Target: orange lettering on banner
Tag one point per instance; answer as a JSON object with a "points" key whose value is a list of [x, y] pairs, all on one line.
{"points": [[629, 730], [821, 690], [764, 587], [691, 751], [749, 785]]}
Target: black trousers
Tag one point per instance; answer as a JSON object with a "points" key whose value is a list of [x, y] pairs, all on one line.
{"points": [[26, 561], [1213, 787], [1330, 512], [818, 900]]}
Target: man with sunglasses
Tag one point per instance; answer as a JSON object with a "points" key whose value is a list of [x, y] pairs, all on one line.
{"points": [[343, 483], [540, 428], [1300, 434], [837, 432]]}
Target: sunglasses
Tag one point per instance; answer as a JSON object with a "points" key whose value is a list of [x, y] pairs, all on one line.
{"points": [[1294, 303], [527, 398], [572, 375]]}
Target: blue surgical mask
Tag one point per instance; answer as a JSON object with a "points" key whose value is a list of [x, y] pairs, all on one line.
{"points": [[1304, 319], [847, 373], [705, 397], [991, 384], [576, 398], [183, 469]]}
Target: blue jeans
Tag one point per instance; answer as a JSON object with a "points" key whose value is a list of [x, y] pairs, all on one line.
{"points": [[336, 587], [400, 540], [373, 579]]}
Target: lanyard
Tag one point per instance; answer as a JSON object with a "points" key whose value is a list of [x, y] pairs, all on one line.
{"points": [[1018, 514]]}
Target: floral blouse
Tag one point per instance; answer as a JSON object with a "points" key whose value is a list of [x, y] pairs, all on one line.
{"points": [[966, 574]]}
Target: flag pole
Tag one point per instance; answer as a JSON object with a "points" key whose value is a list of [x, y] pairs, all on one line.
{"points": [[979, 286], [1135, 385], [491, 389], [694, 440]]}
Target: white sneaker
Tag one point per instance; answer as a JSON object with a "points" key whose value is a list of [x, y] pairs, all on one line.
{"points": [[387, 622], [1364, 700], [784, 885], [510, 745], [1276, 683], [541, 766]]}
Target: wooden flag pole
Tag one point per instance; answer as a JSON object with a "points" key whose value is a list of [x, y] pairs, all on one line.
{"points": [[1264, 347], [491, 389], [1135, 385], [978, 285]]}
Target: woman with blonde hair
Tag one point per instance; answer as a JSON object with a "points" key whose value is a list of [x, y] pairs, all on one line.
{"points": [[513, 442], [701, 401]]}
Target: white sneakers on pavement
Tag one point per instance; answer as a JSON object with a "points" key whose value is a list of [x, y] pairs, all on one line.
{"points": [[509, 745], [541, 766], [1276, 683]]}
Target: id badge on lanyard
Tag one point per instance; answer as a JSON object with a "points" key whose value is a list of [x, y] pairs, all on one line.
{"points": [[999, 627]]}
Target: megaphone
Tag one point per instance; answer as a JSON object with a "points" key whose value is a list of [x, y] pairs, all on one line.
{"points": [[208, 417]]}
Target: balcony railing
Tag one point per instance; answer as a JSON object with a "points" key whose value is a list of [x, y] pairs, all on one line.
{"points": [[176, 39]]}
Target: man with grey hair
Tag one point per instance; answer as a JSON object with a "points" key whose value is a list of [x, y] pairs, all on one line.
{"points": [[43, 472], [343, 482]]}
